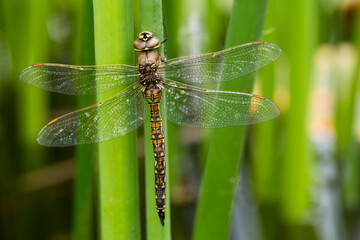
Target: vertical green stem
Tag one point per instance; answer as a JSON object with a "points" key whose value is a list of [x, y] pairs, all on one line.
{"points": [[347, 147], [151, 20], [119, 197], [85, 154], [222, 170], [32, 101], [25, 26], [265, 142], [298, 44], [264, 134]]}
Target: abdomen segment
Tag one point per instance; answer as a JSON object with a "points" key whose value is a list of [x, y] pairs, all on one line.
{"points": [[157, 139]]}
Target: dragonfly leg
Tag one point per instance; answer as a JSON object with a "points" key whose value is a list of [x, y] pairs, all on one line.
{"points": [[164, 40], [163, 23]]}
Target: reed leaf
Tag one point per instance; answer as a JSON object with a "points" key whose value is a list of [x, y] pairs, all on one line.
{"points": [[83, 216], [119, 193], [151, 20], [222, 170]]}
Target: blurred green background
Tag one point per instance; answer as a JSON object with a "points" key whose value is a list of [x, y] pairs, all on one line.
{"points": [[296, 177]]}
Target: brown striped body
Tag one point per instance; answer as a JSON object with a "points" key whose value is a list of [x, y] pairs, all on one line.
{"points": [[153, 96], [148, 62]]}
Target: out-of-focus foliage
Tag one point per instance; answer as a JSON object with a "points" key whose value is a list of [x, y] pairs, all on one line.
{"points": [[299, 176]]}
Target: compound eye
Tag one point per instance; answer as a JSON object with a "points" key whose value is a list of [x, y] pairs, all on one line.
{"points": [[145, 36], [146, 41]]}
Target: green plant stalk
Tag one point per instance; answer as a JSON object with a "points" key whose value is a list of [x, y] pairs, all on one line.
{"points": [[25, 29], [264, 134], [215, 22], [347, 151], [175, 145], [118, 174], [298, 43], [171, 15], [222, 170], [151, 20], [85, 154], [30, 22], [266, 141]]}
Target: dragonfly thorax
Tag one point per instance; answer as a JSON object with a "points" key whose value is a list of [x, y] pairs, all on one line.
{"points": [[148, 63]]}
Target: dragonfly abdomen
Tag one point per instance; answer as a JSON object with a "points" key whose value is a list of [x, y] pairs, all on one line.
{"points": [[153, 96]]}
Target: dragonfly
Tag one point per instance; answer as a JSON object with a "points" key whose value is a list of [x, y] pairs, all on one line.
{"points": [[176, 83]]}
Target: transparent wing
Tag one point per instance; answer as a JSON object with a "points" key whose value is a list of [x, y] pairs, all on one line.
{"points": [[221, 66], [196, 107], [106, 120], [79, 80]]}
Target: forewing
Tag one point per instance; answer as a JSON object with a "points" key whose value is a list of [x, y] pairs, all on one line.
{"points": [[112, 118], [221, 66], [79, 80], [196, 107]]}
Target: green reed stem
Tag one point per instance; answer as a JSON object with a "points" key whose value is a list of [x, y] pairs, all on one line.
{"points": [[347, 146], [222, 170], [24, 24], [151, 20], [298, 43], [85, 154], [119, 197]]}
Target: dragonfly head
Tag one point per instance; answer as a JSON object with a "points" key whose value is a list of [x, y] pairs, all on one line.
{"points": [[146, 41]]}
